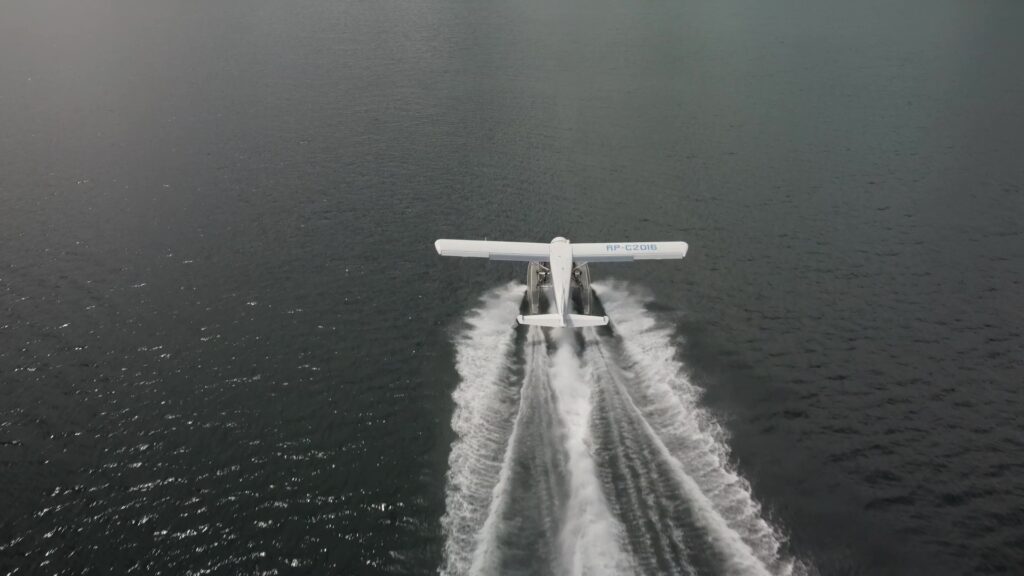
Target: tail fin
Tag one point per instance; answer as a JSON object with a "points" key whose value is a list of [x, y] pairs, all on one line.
{"points": [[555, 321]]}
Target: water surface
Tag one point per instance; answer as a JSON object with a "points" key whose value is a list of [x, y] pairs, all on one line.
{"points": [[227, 345]]}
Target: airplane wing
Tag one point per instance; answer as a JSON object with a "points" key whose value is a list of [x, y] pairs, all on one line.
{"points": [[521, 251], [628, 251]]}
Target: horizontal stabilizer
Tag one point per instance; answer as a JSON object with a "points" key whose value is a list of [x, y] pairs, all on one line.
{"points": [[582, 320], [556, 321], [550, 320]]}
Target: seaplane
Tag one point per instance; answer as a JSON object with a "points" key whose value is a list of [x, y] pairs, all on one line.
{"points": [[564, 268]]}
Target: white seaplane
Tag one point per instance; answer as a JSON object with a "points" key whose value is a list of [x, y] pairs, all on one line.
{"points": [[562, 266]]}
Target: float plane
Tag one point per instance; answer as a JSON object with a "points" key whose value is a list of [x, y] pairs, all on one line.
{"points": [[561, 265]]}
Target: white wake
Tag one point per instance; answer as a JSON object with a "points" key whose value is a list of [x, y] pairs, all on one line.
{"points": [[487, 557], [668, 404], [485, 408], [593, 460], [591, 536]]}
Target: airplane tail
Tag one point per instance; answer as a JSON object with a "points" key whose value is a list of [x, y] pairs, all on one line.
{"points": [[555, 321], [583, 320]]}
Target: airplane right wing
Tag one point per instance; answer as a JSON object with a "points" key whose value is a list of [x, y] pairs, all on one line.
{"points": [[628, 251], [520, 251]]}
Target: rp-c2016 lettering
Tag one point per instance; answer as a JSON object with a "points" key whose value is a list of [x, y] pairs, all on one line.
{"points": [[632, 247], [641, 247]]}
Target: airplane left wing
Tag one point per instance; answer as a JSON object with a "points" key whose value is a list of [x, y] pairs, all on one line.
{"points": [[520, 251]]}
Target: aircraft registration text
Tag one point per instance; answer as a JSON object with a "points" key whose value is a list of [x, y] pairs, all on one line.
{"points": [[632, 247]]}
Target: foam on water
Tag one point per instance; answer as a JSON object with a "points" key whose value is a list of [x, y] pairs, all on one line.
{"points": [[485, 410], [598, 461], [591, 536], [689, 438], [709, 538], [487, 557]]}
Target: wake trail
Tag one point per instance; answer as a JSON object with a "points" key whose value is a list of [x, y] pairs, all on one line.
{"points": [[638, 488], [706, 542], [592, 460], [591, 537], [518, 538], [653, 386], [486, 402]]}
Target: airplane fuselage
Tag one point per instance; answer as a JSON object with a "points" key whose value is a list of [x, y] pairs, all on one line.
{"points": [[561, 276]]}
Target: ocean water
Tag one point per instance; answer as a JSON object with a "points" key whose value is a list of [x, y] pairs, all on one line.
{"points": [[227, 345]]}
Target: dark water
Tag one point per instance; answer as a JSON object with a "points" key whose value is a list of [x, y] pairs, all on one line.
{"points": [[227, 345]]}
